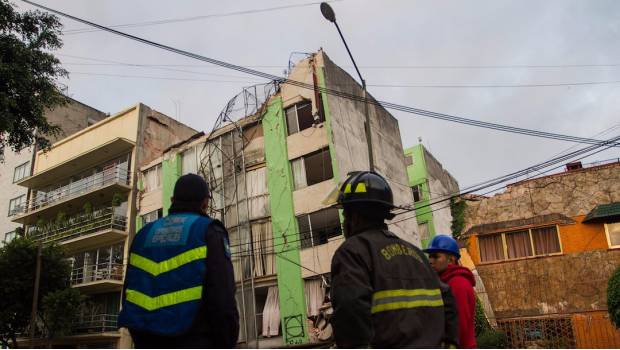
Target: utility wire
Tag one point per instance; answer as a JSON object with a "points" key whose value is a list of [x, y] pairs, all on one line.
{"points": [[193, 18], [333, 92]]}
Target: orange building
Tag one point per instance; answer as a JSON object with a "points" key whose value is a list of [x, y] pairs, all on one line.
{"points": [[545, 249]]}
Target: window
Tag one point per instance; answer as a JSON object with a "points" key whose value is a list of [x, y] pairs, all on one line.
{"points": [[152, 216], [613, 234], [538, 241], [21, 171], [417, 193], [312, 168], [16, 205], [152, 178], [299, 117], [408, 160], [189, 165], [491, 248], [316, 228], [9, 236]]}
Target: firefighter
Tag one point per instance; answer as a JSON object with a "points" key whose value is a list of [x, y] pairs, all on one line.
{"points": [[175, 294], [443, 254], [384, 292]]}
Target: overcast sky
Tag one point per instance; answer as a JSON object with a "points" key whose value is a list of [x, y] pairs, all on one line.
{"points": [[390, 40]]}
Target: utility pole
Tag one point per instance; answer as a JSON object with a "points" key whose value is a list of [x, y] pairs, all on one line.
{"points": [[330, 15], [35, 296]]}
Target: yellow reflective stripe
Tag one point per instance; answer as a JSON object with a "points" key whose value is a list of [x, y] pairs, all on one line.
{"points": [[169, 299], [390, 293], [405, 305], [360, 188], [347, 188], [156, 269]]}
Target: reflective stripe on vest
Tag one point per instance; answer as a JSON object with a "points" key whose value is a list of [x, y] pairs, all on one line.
{"points": [[169, 299], [397, 299], [157, 268]]}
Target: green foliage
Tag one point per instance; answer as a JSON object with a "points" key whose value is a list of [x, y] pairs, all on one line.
{"points": [[457, 209], [491, 339], [61, 217], [613, 297], [117, 199], [481, 323], [29, 72], [17, 272], [88, 208], [58, 311]]}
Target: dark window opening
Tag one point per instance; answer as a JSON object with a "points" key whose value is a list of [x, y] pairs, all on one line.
{"points": [[299, 117], [417, 193], [312, 168], [318, 227]]}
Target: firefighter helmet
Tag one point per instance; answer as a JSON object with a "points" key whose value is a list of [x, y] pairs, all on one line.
{"points": [[366, 187]]}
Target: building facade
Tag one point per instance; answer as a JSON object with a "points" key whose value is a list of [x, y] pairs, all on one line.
{"points": [[15, 166], [270, 172], [83, 194], [545, 249], [430, 183]]}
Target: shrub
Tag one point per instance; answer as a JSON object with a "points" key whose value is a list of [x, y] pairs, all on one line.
{"points": [[491, 339], [613, 297]]}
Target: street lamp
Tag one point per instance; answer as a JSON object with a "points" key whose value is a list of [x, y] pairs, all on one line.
{"points": [[330, 15]]}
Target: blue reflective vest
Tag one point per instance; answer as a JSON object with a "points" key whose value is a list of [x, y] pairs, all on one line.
{"points": [[165, 275]]}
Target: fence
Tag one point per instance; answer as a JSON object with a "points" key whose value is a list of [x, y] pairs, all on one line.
{"points": [[96, 272], [79, 225], [549, 333]]}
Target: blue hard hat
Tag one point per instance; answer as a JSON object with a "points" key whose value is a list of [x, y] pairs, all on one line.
{"points": [[444, 244]]}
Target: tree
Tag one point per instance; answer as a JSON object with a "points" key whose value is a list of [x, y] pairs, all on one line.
{"points": [[28, 74], [17, 272], [58, 311], [457, 210], [613, 297]]}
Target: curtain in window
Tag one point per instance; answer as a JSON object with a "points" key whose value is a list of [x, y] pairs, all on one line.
{"points": [[188, 162], [271, 313], [315, 294], [491, 248], [299, 173], [264, 261], [546, 240], [518, 244]]}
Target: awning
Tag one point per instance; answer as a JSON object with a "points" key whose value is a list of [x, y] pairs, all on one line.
{"points": [[604, 212]]}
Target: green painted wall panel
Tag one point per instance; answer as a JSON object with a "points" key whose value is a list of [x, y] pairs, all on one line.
{"points": [[284, 226], [170, 172], [418, 175]]}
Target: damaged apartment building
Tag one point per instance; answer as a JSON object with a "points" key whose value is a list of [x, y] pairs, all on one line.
{"points": [[545, 250], [274, 155], [82, 196]]}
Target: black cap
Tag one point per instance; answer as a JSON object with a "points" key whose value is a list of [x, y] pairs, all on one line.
{"points": [[190, 188]]}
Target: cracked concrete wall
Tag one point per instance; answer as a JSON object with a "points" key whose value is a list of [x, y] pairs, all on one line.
{"points": [[440, 183], [570, 193], [562, 284]]}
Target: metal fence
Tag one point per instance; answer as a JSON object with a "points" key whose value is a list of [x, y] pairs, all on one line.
{"points": [[118, 174], [78, 225], [96, 272], [548, 333], [96, 323]]}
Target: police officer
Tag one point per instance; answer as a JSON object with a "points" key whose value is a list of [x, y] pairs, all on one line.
{"points": [[384, 292], [180, 289]]}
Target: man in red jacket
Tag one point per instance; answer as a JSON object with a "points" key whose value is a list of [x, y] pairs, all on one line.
{"points": [[443, 254]]}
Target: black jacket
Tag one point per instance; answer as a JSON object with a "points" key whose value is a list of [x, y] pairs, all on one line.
{"points": [[217, 322], [386, 295]]}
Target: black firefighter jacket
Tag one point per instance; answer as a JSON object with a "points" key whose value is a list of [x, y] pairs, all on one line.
{"points": [[386, 295]]}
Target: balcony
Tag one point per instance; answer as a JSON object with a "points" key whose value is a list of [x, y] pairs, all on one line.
{"points": [[98, 186], [83, 231], [98, 323], [98, 278]]}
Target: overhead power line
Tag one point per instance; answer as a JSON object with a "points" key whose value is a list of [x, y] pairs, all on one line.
{"points": [[193, 18], [388, 105]]}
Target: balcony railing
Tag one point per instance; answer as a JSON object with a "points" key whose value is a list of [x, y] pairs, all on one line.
{"points": [[79, 225], [96, 323], [96, 272], [118, 174]]}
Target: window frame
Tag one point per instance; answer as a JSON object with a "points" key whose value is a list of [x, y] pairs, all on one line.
{"points": [[531, 237], [10, 213], [417, 189], [312, 232], [295, 107], [25, 174], [155, 168], [302, 160], [4, 240], [608, 236]]}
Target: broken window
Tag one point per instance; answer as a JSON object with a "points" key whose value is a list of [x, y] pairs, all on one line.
{"points": [[299, 117], [417, 193], [152, 216], [151, 178], [312, 168], [408, 160], [318, 227]]}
